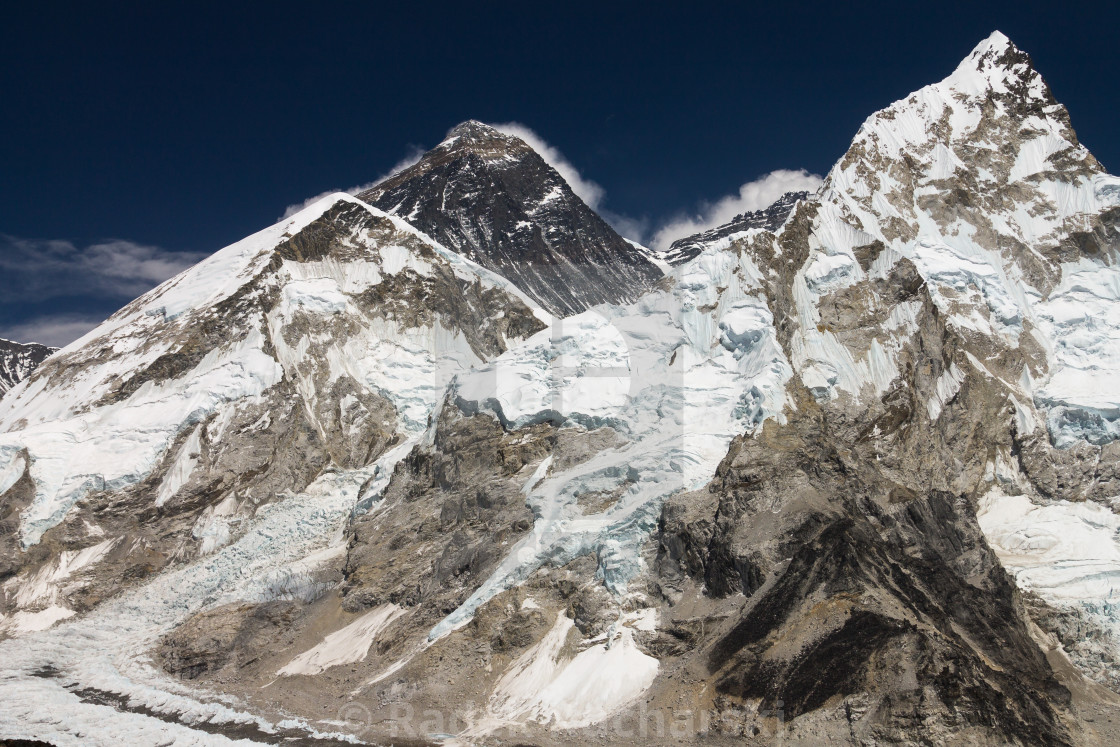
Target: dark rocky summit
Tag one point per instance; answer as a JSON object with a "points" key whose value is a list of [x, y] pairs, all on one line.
{"points": [[492, 198]]}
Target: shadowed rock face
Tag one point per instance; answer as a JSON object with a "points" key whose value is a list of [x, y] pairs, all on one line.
{"points": [[18, 360], [767, 219], [490, 197]]}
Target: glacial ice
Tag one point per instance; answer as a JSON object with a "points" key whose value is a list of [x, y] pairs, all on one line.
{"points": [[679, 373], [1067, 552], [106, 649], [116, 445]]}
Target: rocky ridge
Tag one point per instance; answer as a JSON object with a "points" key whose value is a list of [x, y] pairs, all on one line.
{"points": [[18, 360], [769, 219]]}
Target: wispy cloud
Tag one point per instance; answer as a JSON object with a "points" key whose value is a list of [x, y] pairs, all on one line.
{"points": [[586, 189], [415, 152], [755, 195], [55, 331], [35, 270]]}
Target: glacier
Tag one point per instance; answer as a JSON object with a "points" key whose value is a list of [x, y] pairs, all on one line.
{"points": [[679, 373]]}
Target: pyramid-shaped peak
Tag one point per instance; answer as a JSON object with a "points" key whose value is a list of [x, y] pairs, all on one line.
{"points": [[997, 41], [473, 128], [491, 197], [473, 132], [996, 53], [996, 64]]}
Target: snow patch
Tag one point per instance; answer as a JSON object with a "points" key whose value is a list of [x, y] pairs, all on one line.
{"points": [[345, 646], [543, 685], [944, 389]]}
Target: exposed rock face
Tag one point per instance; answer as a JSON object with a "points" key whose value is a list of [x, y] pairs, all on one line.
{"points": [[18, 360], [228, 639], [768, 219], [490, 197], [873, 603], [267, 399], [448, 516]]}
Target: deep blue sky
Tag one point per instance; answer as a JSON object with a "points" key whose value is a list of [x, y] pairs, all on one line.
{"points": [[187, 126]]}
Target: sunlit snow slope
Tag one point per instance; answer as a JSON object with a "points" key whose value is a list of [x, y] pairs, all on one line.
{"points": [[227, 422]]}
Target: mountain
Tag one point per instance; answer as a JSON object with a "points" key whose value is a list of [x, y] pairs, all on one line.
{"points": [[314, 346], [18, 360], [768, 219], [845, 477], [949, 305], [493, 199]]}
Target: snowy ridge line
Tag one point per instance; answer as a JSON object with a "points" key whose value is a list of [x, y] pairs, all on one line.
{"points": [[972, 259], [69, 451]]}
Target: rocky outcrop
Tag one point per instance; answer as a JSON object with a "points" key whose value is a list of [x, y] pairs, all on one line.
{"points": [[447, 514], [768, 219], [18, 360]]}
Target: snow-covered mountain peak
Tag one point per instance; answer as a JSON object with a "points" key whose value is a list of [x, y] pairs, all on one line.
{"points": [[997, 64], [346, 314], [981, 182]]}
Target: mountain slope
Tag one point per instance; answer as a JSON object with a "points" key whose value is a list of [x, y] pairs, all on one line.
{"points": [[490, 197], [314, 345], [18, 360], [935, 303]]}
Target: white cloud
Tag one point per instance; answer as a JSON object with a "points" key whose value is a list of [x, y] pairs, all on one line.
{"points": [[756, 195], [634, 229], [34, 270], [107, 273], [54, 331], [587, 190], [415, 153]]}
